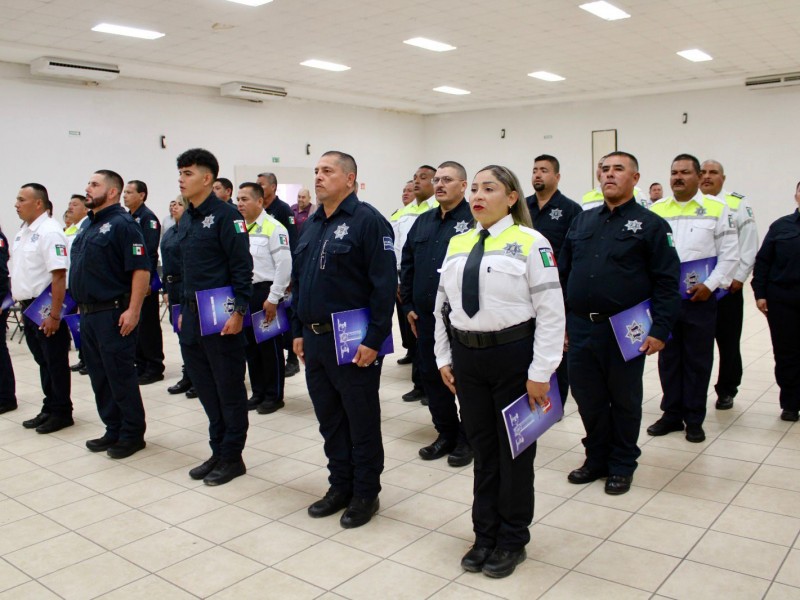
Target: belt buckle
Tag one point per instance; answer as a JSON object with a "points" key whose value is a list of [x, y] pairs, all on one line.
{"points": [[314, 328], [592, 315]]}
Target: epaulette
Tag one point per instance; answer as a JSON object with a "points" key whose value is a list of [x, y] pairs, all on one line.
{"points": [[739, 196]]}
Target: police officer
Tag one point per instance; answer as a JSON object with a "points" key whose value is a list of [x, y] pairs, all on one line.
{"points": [[38, 259], [402, 221], [702, 228], [730, 308], [594, 197], [109, 278], [172, 280], [8, 396], [78, 215], [223, 189], [344, 260], [272, 269], [507, 317], [552, 214], [149, 342], [407, 337], [776, 283], [423, 254], [615, 257], [215, 254]]}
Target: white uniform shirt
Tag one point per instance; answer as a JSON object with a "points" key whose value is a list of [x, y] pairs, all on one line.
{"points": [[38, 249], [748, 235], [272, 259], [512, 289], [702, 236], [405, 220]]}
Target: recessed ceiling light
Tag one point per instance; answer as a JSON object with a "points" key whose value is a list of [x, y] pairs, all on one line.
{"points": [[545, 76], [604, 10], [322, 64], [128, 31], [421, 42], [446, 89], [694, 55], [251, 2]]}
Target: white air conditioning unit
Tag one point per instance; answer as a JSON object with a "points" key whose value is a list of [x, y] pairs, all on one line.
{"points": [[251, 91], [50, 66], [772, 81]]}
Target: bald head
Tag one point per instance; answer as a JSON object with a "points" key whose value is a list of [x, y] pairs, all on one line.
{"points": [[712, 177]]}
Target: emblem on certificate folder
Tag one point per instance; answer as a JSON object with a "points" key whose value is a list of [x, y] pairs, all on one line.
{"points": [[635, 332], [44, 311], [228, 305], [692, 278]]}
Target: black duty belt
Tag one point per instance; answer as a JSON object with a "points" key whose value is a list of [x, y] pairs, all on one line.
{"points": [[593, 316], [93, 307], [320, 328], [261, 285], [487, 339], [172, 279]]}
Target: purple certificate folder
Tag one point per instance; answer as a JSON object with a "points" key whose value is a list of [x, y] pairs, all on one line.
{"points": [[214, 307], [39, 309], [631, 327], [74, 324], [525, 426], [694, 272], [350, 329], [7, 303], [263, 331], [155, 283], [176, 315]]}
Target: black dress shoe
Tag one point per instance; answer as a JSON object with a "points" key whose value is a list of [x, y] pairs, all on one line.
{"points": [[473, 560], [192, 393], [618, 484], [77, 366], [181, 387], [724, 403], [406, 360], [55, 423], [461, 456], [224, 471], [35, 421], [585, 475], [333, 502], [125, 449], [663, 427], [147, 379], [83, 370], [437, 449], [101, 444], [292, 368], [424, 401], [790, 415], [203, 470], [501, 563], [359, 512], [254, 401], [269, 406], [414, 395], [695, 434], [8, 407]]}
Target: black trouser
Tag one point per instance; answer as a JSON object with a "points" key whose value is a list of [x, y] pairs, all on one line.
{"points": [[441, 401], [174, 297], [215, 364], [409, 342], [562, 376], [488, 380], [783, 317], [265, 364], [684, 365], [149, 343], [287, 340], [52, 356], [347, 406], [109, 358], [608, 392], [730, 313], [8, 393]]}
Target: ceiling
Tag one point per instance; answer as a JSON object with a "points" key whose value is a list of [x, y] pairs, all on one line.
{"points": [[498, 43]]}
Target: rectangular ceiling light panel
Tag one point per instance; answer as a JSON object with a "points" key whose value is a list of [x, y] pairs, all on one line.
{"points": [[144, 34], [605, 10]]}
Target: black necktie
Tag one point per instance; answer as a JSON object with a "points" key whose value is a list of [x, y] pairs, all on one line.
{"points": [[469, 285]]}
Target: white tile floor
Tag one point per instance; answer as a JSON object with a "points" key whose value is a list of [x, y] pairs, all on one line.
{"points": [[713, 520]]}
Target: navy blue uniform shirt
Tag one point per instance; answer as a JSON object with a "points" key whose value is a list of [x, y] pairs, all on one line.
{"points": [[613, 260], [554, 220], [215, 249], [345, 262], [151, 230], [285, 216], [4, 283], [777, 266], [424, 252], [104, 255], [171, 263]]}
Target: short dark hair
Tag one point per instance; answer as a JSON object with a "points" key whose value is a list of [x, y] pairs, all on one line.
{"points": [[690, 158], [113, 179], [270, 177], [141, 187], [201, 158], [427, 167], [627, 155], [551, 159], [255, 189], [462, 172], [347, 162], [225, 182], [655, 183], [78, 196], [40, 193]]}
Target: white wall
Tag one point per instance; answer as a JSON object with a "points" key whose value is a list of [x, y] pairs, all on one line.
{"points": [[121, 124], [754, 134]]}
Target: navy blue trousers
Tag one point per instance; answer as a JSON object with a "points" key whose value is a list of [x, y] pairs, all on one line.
{"points": [[265, 365], [149, 340], [730, 314], [52, 356]]}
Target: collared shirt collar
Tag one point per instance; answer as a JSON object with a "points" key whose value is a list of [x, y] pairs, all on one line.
{"points": [[348, 205], [450, 214], [259, 219], [555, 197], [498, 227], [105, 213], [37, 222], [206, 207], [796, 214], [619, 209], [698, 197]]}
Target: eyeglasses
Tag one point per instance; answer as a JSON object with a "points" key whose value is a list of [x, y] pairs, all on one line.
{"points": [[445, 180]]}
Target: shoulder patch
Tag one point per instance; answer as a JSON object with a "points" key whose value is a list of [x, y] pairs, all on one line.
{"points": [[153, 225], [670, 241], [239, 226], [388, 243], [61, 249], [137, 250], [283, 239], [740, 196], [548, 258]]}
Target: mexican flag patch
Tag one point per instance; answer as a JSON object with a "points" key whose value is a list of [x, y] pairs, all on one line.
{"points": [[670, 241], [283, 239], [548, 258], [61, 250], [138, 250], [153, 225], [239, 226]]}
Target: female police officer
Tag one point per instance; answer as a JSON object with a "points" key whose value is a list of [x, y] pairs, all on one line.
{"points": [[507, 332]]}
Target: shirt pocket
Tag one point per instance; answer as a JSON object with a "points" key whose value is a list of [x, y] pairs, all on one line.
{"points": [[335, 254], [626, 247], [580, 241], [701, 236], [506, 282], [787, 243], [259, 247]]}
